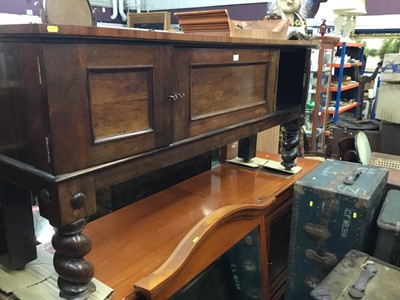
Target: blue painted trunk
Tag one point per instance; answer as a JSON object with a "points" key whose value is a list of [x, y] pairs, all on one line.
{"points": [[335, 208]]}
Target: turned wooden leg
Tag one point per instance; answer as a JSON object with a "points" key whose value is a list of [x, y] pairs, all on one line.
{"points": [[75, 273], [290, 142]]}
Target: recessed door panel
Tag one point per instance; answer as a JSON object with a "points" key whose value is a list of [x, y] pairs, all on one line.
{"points": [[223, 87], [227, 87], [120, 102], [106, 102]]}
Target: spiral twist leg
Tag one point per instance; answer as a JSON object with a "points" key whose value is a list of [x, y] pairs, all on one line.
{"points": [[290, 144], [75, 273]]}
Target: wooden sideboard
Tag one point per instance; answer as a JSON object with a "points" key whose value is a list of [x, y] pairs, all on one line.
{"points": [[163, 241], [83, 108]]}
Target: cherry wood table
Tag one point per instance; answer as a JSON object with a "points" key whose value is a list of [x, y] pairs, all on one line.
{"points": [[133, 242]]}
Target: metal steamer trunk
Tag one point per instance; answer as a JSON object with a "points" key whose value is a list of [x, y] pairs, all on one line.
{"points": [[335, 208], [388, 241], [360, 276]]}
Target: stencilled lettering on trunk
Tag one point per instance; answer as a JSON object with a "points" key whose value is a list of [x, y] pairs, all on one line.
{"points": [[352, 189], [329, 170], [347, 215], [235, 276], [367, 171]]}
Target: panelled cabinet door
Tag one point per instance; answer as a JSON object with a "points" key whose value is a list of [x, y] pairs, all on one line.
{"points": [[277, 236], [222, 87], [105, 102]]}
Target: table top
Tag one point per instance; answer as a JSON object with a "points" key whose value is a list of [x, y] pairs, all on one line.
{"points": [[72, 32], [134, 241]]}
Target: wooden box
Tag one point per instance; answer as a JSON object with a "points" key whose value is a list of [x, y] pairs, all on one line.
{"points": [[217, 22], [152, 20]]}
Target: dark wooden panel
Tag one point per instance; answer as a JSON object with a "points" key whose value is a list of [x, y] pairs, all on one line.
{"points": [[11, 142], [120, 102], [23, 113], [103, 102], [126, 169], [225, 86], [8, 145], [278, 243], [124, 193], [17, 234], [68, 106], [218, 55], [293, 78], [229, 87], [186, 149]]}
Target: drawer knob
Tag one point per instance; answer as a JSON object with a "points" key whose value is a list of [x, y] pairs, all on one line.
{"points": [[78, 200]]}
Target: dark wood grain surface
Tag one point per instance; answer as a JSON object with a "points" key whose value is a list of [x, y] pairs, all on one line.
{"points": [[89, 107], [73, 32]]}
